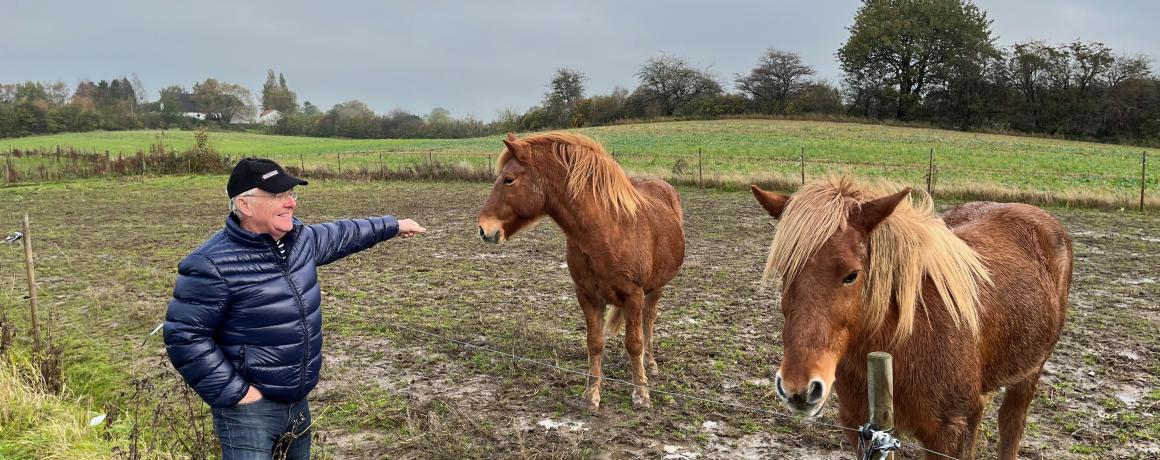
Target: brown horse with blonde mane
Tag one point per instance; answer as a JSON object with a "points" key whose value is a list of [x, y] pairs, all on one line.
{"points": [[967, 304], [626, 238]]}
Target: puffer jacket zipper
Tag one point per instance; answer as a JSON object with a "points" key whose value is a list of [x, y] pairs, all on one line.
{"points": [[242, 360], [282, 263]]}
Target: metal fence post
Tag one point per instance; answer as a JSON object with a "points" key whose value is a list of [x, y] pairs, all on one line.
{"points": [[802, 160], [929, 170]]}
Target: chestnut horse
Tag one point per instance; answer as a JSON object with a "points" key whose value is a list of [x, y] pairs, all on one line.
{"points": [[626, 238], [967, 304]]}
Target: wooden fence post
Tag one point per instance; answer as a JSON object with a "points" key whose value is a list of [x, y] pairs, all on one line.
{"points": [[31, 269], [302, 162], [382, 169], [1143, 176], [340, 162], [880, 389]]}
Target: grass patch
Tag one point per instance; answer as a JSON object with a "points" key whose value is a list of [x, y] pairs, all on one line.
{"points": [[38, 423]]}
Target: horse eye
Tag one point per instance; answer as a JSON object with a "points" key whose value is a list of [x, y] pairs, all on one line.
{"points": [[508, 181], [850, 278]]}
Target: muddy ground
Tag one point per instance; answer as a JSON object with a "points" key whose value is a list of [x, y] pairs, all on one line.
{"points": [[108, 252]]}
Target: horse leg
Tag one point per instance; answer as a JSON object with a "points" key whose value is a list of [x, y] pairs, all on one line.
{"points": [[633, 306], [974, 419], [593, 307], [650, 321], [947, 436], [1013, 415]]}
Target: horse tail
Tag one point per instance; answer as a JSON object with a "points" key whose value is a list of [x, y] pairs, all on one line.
{"points": [[1056, 246], [613, 320]]}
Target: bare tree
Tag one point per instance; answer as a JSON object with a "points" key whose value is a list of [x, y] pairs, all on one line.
{"points": [[1128, 68], [675, 84], [139, 89], [779, 75], [507, 120]]}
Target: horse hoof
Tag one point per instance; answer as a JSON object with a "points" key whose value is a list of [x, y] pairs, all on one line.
{"points": [[591, 400], [653, 370], [641, 401]]}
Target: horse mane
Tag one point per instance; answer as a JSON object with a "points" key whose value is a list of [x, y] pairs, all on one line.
{"points": [[590, 169], [910, 246]]}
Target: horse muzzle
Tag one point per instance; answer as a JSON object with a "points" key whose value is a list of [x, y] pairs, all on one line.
{"points": [[807, 401], [494, 237]]}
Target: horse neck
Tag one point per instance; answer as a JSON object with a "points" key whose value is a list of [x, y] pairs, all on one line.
{"points": [[585, 222], [582, 222]]}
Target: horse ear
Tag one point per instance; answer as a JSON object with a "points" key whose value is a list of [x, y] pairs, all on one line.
{"points": [[771, 201], [875, 211], [514, 146]]}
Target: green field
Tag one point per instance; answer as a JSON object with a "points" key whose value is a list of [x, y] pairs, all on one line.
{"points": [[730, 151], [106, 257]]}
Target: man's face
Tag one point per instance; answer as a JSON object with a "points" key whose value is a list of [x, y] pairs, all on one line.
{"points": [[269, 213]]}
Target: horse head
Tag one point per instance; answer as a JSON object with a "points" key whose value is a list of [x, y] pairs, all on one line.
{"points": [[517, 199], [823, 262]]}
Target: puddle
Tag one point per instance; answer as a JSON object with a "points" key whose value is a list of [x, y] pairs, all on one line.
{"points": [[561, 425], [1129, 394]]}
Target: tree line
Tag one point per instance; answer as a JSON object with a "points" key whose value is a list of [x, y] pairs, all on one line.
{"points": [[923, 61]]}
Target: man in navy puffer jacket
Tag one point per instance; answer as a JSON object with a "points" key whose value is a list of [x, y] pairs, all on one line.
{"points": [[244, 326]]}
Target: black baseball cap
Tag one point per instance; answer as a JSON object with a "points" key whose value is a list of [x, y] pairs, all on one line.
{"points": [[260, 173]]}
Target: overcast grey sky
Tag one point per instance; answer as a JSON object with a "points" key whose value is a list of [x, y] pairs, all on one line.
{"points": [[473, 57]]}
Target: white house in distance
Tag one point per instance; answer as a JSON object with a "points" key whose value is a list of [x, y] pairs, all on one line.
{"points": [[265, 117], [251, 115], [189, 108]]}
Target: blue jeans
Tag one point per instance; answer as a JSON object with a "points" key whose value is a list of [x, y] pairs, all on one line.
{"points": [[264, 430]]}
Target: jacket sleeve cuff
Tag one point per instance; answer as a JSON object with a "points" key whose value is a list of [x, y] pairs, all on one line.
{"points": [[390, 227], [234, 400]]}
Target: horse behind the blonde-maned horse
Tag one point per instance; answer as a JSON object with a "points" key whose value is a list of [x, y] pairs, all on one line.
{"points": [[626, 238], [967, 304]]}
